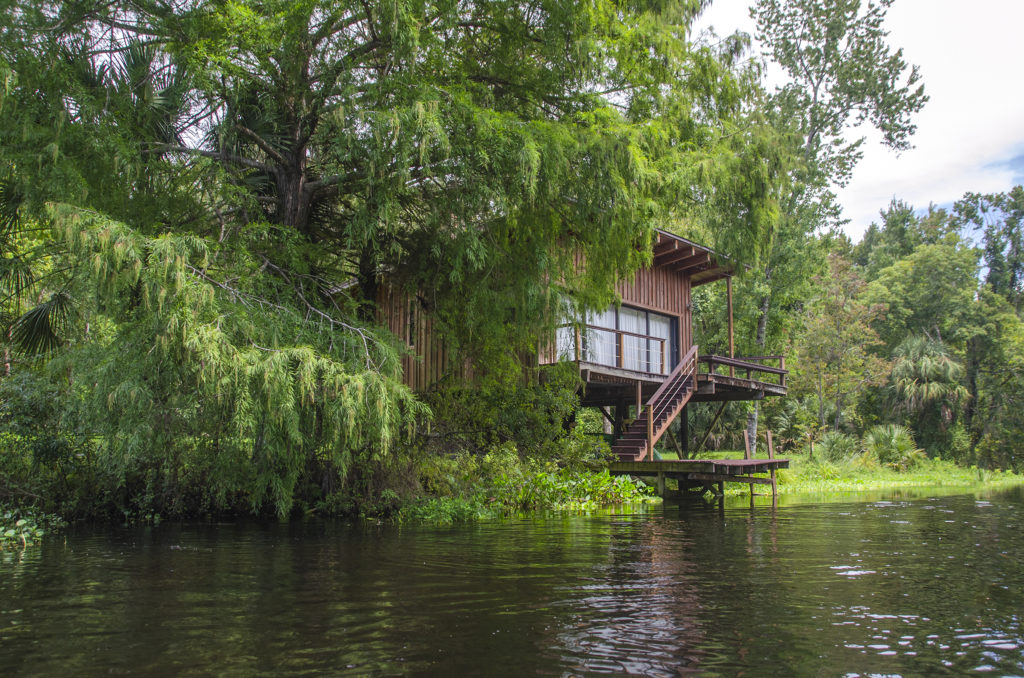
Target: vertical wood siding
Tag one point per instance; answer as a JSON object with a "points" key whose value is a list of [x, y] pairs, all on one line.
{"points": [[430, 360], [664, 291]]}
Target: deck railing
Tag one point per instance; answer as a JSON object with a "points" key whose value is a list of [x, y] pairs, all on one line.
{"points": [[614, 348], [756, 368], [650, 355]]}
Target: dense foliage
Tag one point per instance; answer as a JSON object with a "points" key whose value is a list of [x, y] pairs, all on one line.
{"points": [[199, 203], [915, 326]]}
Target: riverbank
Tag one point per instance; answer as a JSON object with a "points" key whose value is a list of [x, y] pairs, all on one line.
{"points": [[465, 489], [468, 488], [814, 476]]}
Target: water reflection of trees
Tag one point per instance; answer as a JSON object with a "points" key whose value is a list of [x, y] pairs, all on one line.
{"points": [[873, 587], [638, 611]]}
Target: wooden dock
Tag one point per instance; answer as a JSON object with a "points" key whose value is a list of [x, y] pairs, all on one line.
{"points": [[704, 474]]}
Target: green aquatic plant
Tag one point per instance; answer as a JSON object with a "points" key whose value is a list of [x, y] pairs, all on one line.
{"points": [[21, 528], [468, 487]]}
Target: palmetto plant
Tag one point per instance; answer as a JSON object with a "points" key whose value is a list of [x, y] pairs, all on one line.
{"points": [[893, 446], [145, 94], [837, 447]]}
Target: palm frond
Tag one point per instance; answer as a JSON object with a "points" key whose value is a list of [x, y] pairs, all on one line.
{"points": [[11, 197], [16, 276], [42, 328]]}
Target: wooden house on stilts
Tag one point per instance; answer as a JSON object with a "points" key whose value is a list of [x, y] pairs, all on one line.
{"points": [[638, 360]]}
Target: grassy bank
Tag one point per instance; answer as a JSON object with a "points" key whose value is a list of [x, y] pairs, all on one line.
{"points": [[467, 488], [809, 476], [815, 476]]}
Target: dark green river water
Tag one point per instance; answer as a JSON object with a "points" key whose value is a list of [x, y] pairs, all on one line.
{"points": [[910, 587]]}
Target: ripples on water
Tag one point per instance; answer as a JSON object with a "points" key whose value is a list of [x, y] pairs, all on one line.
{"points": [[922, 587]]}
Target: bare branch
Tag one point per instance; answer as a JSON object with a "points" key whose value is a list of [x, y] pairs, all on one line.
{"points": [[262, 144], [218, 155]]}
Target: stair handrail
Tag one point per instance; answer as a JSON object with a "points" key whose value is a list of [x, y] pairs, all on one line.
{"points": [[691, 360], [687, 367]]}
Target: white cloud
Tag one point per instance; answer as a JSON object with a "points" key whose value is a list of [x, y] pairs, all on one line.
{"points": [[973, 124]]}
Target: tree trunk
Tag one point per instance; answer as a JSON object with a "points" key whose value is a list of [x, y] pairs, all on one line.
{"points": [[368, 283], [762, 319], [970, 407], [839, 408], [821, 400], [761, 339], [293, 201], [752, 428]]}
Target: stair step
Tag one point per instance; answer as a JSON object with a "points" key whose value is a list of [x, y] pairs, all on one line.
{"points": [[637, 455]]}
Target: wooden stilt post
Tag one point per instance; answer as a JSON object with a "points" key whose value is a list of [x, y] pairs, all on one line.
{"points": [[650, 433], [732, 348], [661, 485], [684, 431], [675, 443], [711, 427], [771, 455], [748, 455]]}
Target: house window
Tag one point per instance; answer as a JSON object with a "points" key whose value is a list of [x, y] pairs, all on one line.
{"points": [[599, 339], [624, 337]]}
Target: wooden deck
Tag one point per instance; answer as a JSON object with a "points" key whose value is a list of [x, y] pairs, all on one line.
{"points": [[747, 378], [721, 387], [703, 474], [607, 385]]}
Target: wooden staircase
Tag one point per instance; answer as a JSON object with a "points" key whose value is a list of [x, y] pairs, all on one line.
{"points": [[637, 443]]}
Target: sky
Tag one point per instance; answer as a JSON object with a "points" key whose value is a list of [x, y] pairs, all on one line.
{"points": [[970, 135]]}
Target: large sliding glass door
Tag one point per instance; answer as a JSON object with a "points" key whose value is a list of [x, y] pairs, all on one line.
{"points": [[625, 337]]}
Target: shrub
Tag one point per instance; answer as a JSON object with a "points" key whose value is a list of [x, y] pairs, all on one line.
{"points": [[502, 481], [893, 446], [836, 448]]}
